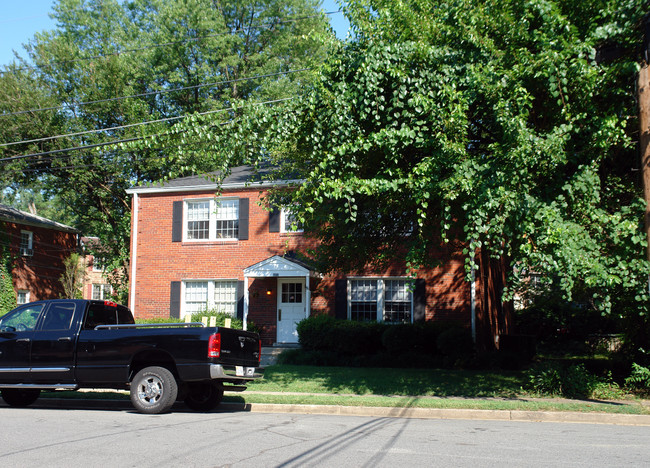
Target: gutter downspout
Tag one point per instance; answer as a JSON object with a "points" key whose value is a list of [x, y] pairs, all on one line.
{"points": [[134, 250], [473, 296]]}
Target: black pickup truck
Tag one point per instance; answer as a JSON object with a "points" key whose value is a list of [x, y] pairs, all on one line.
{"points": [[71, 344]]}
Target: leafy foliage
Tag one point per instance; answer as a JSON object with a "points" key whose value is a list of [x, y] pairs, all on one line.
{"points": [[639, 377], [498, 124], [7, 293], [73, 277], [111, 65]]}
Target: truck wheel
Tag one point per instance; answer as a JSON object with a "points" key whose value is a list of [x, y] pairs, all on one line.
{"points": [[153, 390], [204, 396], [20, 397]]}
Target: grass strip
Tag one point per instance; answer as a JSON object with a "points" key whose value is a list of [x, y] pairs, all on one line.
{"points": [[442, 403]]}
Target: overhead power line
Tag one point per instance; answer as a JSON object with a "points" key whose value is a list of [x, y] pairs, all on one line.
{"points": [[166, 44], [151, 93], [128, 140]]}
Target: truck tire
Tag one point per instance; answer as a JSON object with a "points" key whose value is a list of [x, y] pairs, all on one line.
{"points": [[204, 396], [153, 390], [20, 397]]}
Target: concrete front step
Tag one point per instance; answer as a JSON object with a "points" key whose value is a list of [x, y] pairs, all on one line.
{"points": [[270, 353]]}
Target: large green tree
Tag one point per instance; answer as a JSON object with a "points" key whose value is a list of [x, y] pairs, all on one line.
{"points": [[509, 126], [110, 65]]}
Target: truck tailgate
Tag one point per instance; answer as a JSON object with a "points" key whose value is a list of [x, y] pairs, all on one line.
{"points": [[239, 347]]}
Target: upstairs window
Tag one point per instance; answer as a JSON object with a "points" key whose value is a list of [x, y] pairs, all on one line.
{"points": [[26, 243], [288, 222], [227, 219], [212, 219], [198, 220]]}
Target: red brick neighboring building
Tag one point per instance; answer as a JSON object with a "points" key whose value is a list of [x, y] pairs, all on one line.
{"points": [[39, 246], [192, 250], [96, 285]]}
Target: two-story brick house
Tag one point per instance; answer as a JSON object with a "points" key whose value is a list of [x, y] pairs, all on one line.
{"points": [[38, 246], [192, 250]]}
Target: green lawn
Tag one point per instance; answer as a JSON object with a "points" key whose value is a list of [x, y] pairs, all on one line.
{"points": [[374, 381], [404, 388]]}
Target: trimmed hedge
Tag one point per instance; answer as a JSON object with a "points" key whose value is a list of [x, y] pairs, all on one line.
{"points": [[325, 339]]}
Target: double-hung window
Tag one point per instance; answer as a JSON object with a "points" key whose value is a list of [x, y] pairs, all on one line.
{"points": [[198, 220], [213, 295], [101, 291], [227, 219], [210, 219], [26, 243], [288, 222], [380, 299], [22, 297]]}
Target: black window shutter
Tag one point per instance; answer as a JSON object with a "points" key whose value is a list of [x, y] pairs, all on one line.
{"points": [[177, 221], [341, 299], [243, 219], [175, 300], [240, 300], [274, 220], [420, 300]]}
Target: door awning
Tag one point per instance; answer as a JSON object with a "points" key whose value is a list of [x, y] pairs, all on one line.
{"points": [[277, 266]]}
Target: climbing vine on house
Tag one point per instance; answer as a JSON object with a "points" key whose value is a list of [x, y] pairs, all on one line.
{"points": [[7, 293]]}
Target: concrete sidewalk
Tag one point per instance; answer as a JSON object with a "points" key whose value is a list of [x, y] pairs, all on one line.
{"points": [[441, 413], [376, 412]]}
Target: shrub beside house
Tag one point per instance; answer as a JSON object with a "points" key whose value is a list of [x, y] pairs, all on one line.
{"points": [[192, 250]]}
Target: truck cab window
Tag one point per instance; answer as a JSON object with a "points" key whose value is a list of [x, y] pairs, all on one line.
{"points": [[58, 317], [22, 319]]}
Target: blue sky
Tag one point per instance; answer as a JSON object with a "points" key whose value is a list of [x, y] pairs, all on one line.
{"points": [[22, 18]]}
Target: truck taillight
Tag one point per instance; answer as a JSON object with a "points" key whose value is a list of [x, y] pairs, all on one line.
{"points": [[214, 345]]}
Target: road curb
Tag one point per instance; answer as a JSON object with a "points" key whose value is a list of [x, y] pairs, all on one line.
{"points": [[443, 413]]}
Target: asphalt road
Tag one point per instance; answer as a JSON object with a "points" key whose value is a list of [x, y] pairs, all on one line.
{"points": [[101, 437]]}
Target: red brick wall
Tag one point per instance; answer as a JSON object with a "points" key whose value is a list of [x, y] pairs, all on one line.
{"points": [[40, 273], [161, 261]]}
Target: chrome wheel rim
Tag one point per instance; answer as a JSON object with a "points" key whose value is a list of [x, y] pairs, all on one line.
{"points": [[150, 390]]}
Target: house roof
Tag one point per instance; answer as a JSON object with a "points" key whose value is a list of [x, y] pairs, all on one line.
{"points": [[12, 215], [239, 177]]}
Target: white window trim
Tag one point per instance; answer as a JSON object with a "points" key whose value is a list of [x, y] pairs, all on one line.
{"points": [[212, 219], [105, 291], [381, 286], [29, 250], [211, 304], [283, 222], [96, 265], [24, 291]]}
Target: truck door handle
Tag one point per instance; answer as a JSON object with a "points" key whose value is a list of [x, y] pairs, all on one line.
{"points": [[23, 340], [279, 315], [65, 338]]}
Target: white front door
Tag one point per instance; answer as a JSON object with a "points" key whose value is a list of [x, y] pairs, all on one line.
{"points": [[292, 304]]}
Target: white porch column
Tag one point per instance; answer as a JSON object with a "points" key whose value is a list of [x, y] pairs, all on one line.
{"points": [[245, 302]]}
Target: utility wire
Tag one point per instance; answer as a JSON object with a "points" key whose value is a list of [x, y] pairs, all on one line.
{"points": [[128, 140], [118, 127], [151, 93], [165, 44]]}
